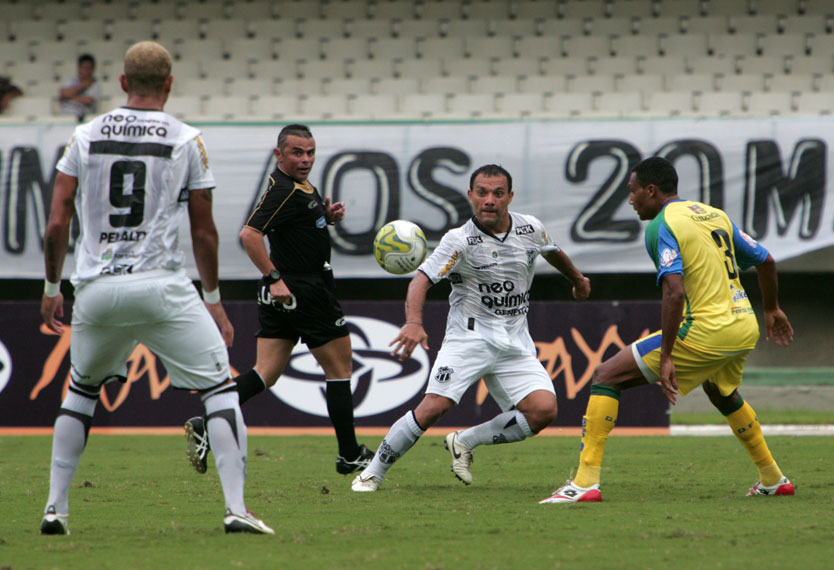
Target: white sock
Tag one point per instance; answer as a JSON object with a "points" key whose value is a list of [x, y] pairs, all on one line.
{"points": [[403, 434], [228, 446], [508, 427], [68, 441]]}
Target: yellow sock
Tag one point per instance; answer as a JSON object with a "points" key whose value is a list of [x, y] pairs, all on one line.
{"points": [[747, 429], [600, 417]]}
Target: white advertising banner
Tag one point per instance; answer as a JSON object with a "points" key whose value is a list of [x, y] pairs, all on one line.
{"points": [[770, 175]]}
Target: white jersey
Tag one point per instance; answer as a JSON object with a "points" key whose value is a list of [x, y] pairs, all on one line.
{"points": [[491, 278], [134, 169]]}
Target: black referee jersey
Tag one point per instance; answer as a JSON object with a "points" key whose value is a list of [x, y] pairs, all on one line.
{"points": [[292, 216]]}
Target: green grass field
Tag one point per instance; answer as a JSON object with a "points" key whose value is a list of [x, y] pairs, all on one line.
{"points": [[668, 503]]}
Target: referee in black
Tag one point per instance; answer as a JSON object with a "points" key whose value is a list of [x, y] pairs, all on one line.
{"points": [[296, 299]]}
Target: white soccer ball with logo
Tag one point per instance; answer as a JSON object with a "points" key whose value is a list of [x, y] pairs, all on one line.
{"points": [[400, 247]]}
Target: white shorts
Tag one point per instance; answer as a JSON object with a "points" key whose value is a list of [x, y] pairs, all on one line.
{"points": [[160, 309], [510, 376]]}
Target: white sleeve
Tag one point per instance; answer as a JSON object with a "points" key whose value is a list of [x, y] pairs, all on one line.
{"points": [[199, 173], [446, 256], [69, 160], [545, 242]]}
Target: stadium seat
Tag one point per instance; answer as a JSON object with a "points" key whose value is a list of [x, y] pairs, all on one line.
{"points": [[490, 9], [373, 107], [203, 51], [520, 104], [393, 86], [205, 9], [821, 64], [296, 87], [27, 30], [275, 30], [617, 65], [438, 9], [517, 66], [373, 68], [821, 45], [224, 29], [584, 9], [250, 49], [784, 44], [345, 86], [30, 72], [294, 49], [156, 11], [715, 104], [472, 28], [346, 9], [324, 106], [726, 7], [466, 67], [319, 29], [423, 105], [776, 7], [691, 81], [825, 83], [260, 86], [320, 68], [751, 82], [668, 103], [441, 48], [420, 68], [817, 7], [200, 86], [253, 10], [299, 9], [538, 47], [78, 30], [617, 26], [416, 29], [712, 64], [393, 48], [346, 48], [795, 82], [679, 8], [803, 24], [706, 25], [565, 66], [754, 24], [13, 53], [645, 83], [733, 44], [445, 85], [128, 32], [814, 104], [59, 11], [543, 84], [393, 9], [620, 104], [772, 103], [370, 29], [569, 104], [515, 28], [494, 84], [185, 107], [536, 9], [184, 69], [471, 105], [762, 64], [591, 83], [586, 46], [226, 107], [665, 65], [562, 27], [662, 25], [226, 69], [632, 8], [274, 107], [689, 44]]}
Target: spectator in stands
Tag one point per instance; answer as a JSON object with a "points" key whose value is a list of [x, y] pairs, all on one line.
{"points": [[79, 95], [8, 91]]}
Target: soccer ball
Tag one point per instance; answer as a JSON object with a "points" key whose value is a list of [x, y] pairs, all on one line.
{"points": [[400, 247]]}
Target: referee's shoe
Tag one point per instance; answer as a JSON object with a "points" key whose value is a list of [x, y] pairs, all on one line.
{"points": [[345, 466]]}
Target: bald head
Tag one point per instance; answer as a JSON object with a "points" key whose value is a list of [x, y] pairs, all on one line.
{"points": [[147, 66]]}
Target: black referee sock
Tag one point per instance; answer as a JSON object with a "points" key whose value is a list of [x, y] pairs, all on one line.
{"points": [[340, 409], [249, 384]]}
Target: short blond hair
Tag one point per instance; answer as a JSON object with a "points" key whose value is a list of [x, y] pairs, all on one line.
{"points": [[147, 66]]}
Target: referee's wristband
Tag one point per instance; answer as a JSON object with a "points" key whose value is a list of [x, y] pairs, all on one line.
{"points": [[211, 297], [51, 289]]}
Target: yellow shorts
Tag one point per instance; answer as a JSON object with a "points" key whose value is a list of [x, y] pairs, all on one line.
{"points": [[693, 366]]}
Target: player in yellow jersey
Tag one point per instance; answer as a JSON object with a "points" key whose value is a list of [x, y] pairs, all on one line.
{"points": [[708, 327]]}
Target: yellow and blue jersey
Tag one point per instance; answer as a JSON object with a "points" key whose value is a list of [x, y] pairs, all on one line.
{"points": [[701, 243]]}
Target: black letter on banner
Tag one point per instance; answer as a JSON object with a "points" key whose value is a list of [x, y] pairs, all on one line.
{"points": [[595, 222], [384, 169], [803, 188], [710, 167], [25, 179], [454, 205]]}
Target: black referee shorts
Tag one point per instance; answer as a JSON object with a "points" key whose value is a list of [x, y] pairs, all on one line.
{"points": [[313, 313]]}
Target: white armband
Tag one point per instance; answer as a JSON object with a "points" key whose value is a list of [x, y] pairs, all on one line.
{"points": [[51, 289], [211, 297]]}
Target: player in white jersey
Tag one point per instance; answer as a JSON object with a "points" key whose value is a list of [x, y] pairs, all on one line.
{"points": [[131, 176], [490, 262]]}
